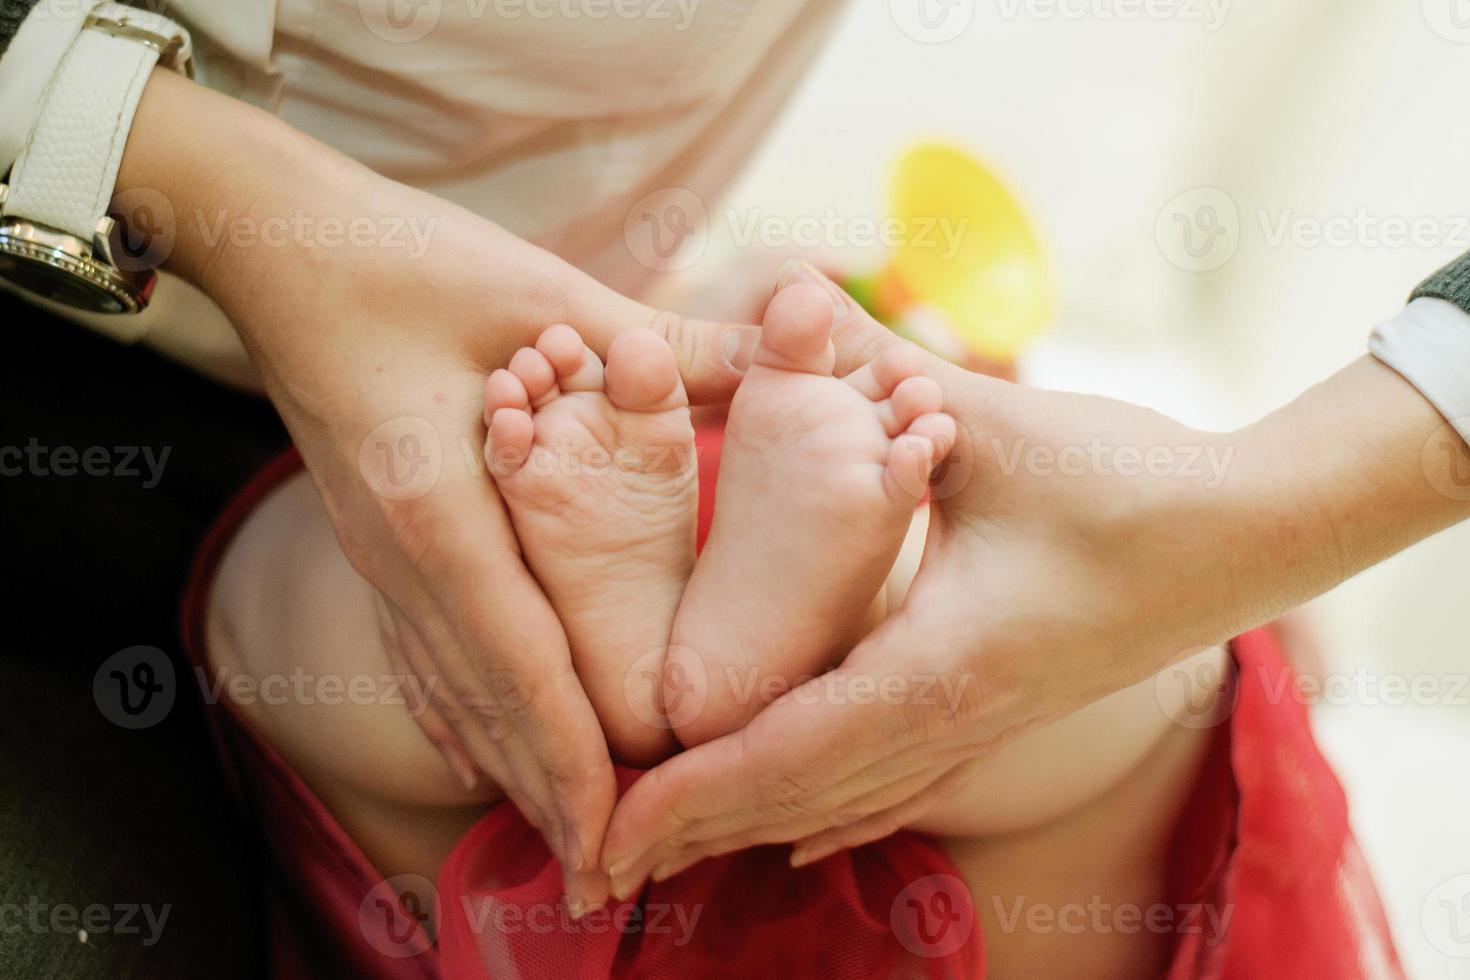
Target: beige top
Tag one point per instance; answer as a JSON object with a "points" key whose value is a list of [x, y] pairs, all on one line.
{"points": [[551, 117]]}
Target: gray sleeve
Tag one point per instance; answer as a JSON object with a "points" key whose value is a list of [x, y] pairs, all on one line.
{"points": [[35, 36], [12, 14], [1451, 284]]}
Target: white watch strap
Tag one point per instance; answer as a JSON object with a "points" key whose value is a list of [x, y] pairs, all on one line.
{"points": [[65, 175], [1428, 343]]}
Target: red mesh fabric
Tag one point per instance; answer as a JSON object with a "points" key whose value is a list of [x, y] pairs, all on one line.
{"points": [[1265, 836], [740, 916], [1301, 899]]}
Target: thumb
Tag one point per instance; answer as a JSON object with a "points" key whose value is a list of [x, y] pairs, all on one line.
{"points": [[712, 356]]}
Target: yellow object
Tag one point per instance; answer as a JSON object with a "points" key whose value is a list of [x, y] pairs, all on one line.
{"points": [[968, 251]]}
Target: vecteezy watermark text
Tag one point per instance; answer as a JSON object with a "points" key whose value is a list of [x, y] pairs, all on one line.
{"points": [[1210, 14], [119, 919], [1099, 917], [408, 21], [1210, 464], [674, 919], [303, 688], [1201, 230], [409, 233], [124, 462]]}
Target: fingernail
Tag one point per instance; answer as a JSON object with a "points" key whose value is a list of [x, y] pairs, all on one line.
{"points": [[462, 766], [585, 891], [800, 857], [790, 271], [624, 888], [740, 347], [795, 270]]}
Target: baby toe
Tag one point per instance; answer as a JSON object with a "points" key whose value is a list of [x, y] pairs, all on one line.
{"points": [[877, 378], [796, 334], [504, 390], [912, 398], [508, 445], [570, 358], [536, 374], [642, 374], [915, 454]]}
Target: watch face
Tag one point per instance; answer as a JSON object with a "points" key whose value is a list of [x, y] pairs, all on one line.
{"points": [[49, 282], [66, 279]]}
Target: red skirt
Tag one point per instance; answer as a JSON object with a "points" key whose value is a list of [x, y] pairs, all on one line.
{"points": [[1263, 845]]}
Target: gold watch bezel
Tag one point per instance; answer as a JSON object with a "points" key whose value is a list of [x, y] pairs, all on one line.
{"points": [[30, 244]]}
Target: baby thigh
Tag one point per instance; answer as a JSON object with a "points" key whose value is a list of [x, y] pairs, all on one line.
{"points": [[1063, 836], [294, 641]]}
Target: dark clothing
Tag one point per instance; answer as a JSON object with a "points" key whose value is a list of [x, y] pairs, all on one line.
{"points": [[113, 461]]}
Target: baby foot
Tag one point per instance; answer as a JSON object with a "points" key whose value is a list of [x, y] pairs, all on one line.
{"points": [[819, 479], [597, 470]]}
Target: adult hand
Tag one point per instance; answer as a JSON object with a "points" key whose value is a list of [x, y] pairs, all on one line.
{"points": [[1077, 545], [376, 357]]}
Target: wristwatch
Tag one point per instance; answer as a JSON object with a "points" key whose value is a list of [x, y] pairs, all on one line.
{"points": [[56, 239]]}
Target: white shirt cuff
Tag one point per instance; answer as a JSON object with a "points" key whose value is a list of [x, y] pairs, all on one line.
{"points": [[28, 66], [1429, 344]]}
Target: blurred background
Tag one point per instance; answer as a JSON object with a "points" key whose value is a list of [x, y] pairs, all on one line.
{"points": [[1230, 196]]}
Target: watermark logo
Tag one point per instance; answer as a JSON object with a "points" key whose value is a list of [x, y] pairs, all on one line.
{"points": [[677, 676], [144, 229], [399, 916], [1446, 917], [134, 688], [934, 916], [402, 458], [1446, 460], [952, 475], [1450, 19], [74, 11], [667, 230], [1199, 230], [401, 21], [1199, 692], [932, 21]]}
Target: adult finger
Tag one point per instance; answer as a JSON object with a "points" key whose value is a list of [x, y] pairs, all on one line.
{"points": [[874, 826], [851, 802], [712, 356], [796, 750], [391, 626], [503, 656]]}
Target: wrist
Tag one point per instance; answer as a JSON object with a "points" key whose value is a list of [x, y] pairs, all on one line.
{"points": [[1277, 538], [1197, 545], [221, 165], [1343, 477]]}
